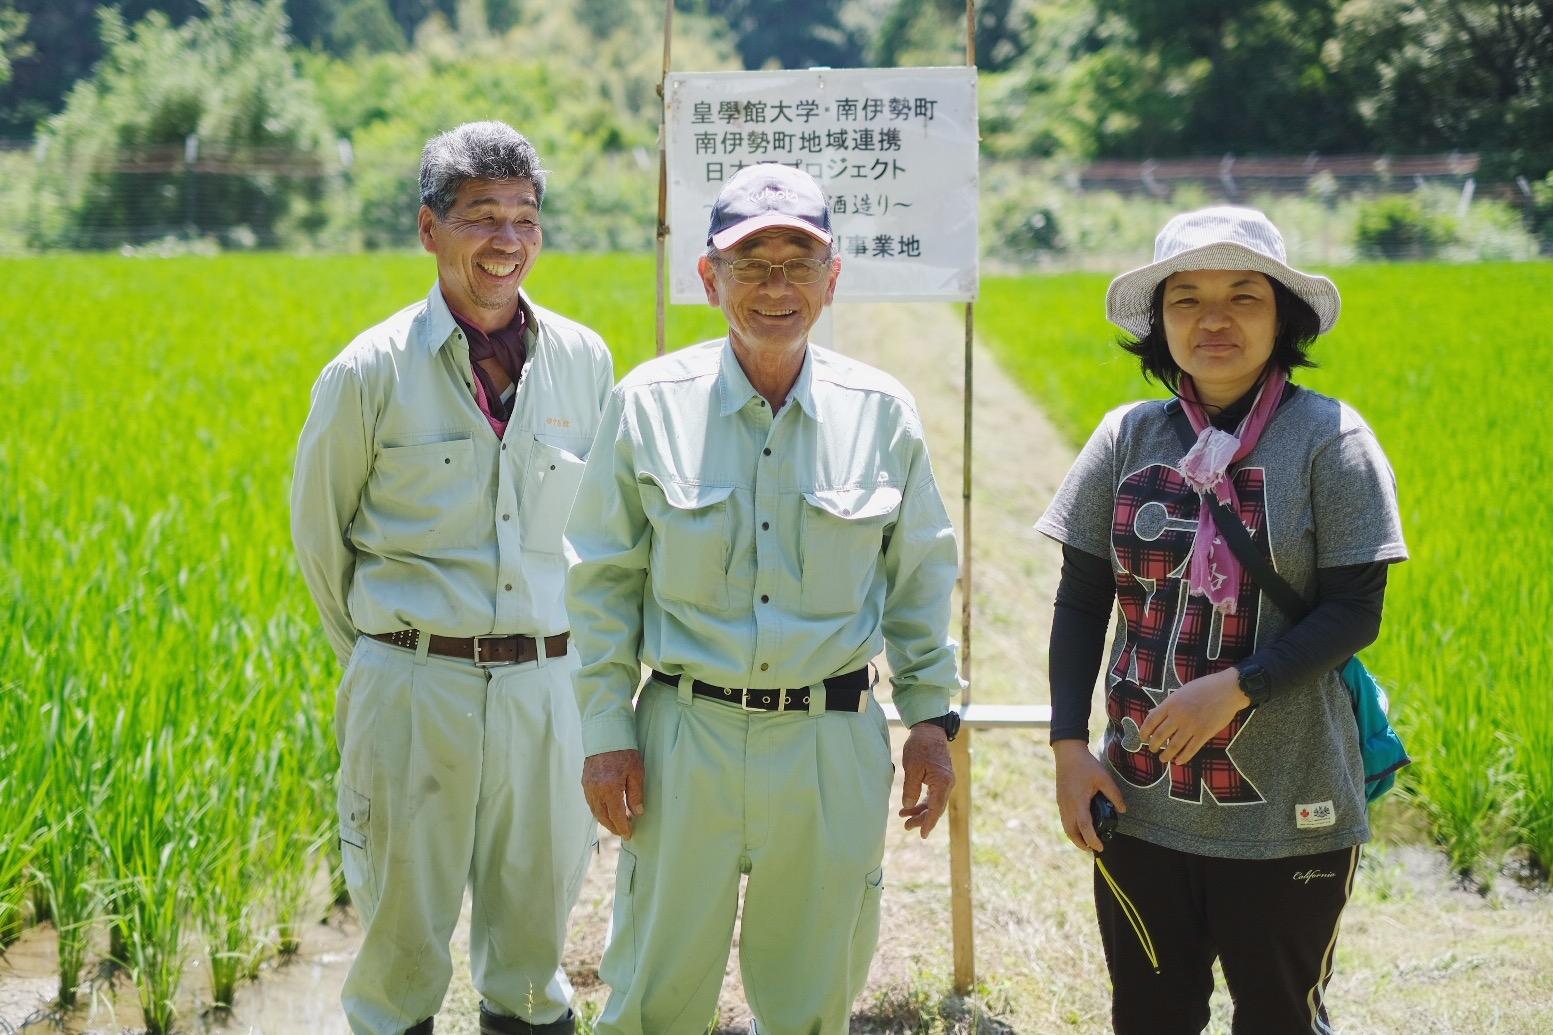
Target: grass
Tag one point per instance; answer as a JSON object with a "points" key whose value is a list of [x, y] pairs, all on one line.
{"points": [[165, 690], [1447, 365]]}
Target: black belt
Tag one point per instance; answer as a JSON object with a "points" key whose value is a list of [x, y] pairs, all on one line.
{"points": [[485, 651], [847, 692]]}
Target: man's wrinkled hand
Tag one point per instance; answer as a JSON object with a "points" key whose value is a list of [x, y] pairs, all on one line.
{"points": [[927, 777], [614, 783]]}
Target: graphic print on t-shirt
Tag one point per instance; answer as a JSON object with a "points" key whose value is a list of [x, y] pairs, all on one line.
{"points": [[1171, 636]]}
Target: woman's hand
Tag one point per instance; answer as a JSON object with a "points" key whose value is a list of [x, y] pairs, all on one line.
{"points": [[1192, 715], [1079, 776]]}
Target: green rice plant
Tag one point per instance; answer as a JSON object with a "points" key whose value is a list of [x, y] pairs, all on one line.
{"points": [[150, 584], [1446, 363]]}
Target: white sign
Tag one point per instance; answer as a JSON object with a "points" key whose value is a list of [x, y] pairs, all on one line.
{"points": [[894, 149]]}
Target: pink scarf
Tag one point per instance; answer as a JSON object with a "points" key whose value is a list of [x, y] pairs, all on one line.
{"points": [[1214, 570]]}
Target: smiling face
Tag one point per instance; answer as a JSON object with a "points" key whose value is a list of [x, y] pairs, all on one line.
{"points": [[1220, 326], [485, 247], [773, 317]]}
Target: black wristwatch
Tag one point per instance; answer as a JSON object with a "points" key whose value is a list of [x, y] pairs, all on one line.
{"points": [[1255, 683], [949, 722]]}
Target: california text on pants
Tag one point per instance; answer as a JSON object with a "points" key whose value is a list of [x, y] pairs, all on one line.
{"points": [[1165, 915]]}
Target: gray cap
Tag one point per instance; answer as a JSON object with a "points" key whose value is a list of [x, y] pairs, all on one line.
{"points": [[765, 195]]}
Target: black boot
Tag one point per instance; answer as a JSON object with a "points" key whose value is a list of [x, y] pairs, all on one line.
{"points": [[423, 1028], [496, 1024]]}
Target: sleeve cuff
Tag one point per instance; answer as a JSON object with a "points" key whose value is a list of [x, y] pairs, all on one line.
{"points": [[615, 733], [919, 702]]}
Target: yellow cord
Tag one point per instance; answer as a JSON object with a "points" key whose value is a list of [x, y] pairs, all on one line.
{"points": [[1130, 911]]}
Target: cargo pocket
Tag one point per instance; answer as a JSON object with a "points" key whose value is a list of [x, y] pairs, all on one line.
{"points": [[619, 962], [690, 541], [843, 535], [356, 850], [865, 935], [548, 502]]}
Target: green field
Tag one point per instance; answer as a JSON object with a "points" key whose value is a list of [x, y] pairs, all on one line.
{"points": [[1445, 363], [166, 750]]}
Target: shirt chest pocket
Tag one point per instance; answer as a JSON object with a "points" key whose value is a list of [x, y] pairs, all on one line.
{"points": [[691, 541], [547, 503], [426, 495], [843, 536]]}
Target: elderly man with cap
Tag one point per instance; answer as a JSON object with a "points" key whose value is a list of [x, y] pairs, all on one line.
{"points": [[433, 481], [758, 519]]}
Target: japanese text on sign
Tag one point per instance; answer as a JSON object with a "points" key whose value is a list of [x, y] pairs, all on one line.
{"points": [[894, 150]]}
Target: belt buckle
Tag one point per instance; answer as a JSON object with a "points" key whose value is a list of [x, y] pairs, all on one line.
{"points": [[481, 662], [744, 701]]}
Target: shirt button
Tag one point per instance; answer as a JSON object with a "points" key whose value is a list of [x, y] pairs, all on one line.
{"points": [[509, 587], [764, 666], [765, 599], [765, 526], [504, 447], [447, 459], [767, 451], [552, 467], [506, 517]]}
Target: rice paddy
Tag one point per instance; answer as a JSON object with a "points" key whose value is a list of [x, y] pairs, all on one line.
{"points": [[166, 747]]}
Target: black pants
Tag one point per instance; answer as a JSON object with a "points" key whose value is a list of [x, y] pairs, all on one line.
{"points": [[1271, 922]]}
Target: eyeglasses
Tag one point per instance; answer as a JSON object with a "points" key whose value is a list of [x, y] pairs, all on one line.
{"points": [[797, 271]]}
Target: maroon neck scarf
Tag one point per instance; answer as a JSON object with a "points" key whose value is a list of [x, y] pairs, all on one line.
{"points": [[506, 347]]}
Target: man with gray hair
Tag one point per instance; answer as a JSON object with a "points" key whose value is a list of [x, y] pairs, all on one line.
{"points": [[433, 479]]}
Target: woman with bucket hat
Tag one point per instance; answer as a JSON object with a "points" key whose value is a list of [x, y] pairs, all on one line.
{"points": [[1227, 805]]}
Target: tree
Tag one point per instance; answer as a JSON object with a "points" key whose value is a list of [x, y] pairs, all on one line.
{"points": [[918, 33], [12, 24], [226, 78], [791, 34], [1448, 74], [55, 52]]}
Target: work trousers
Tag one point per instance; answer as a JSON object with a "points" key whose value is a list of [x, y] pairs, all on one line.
{"points": [[455, 776], [796, 801], [1272, 924]]}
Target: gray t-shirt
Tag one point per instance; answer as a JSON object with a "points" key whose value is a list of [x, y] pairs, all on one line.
{"points": [[1317, 492]]}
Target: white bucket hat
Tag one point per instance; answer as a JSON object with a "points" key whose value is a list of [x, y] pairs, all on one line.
{"points": [[1225, 237]]}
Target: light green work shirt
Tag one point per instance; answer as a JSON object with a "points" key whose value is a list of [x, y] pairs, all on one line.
{"points": [[755, 549], [408, 512]]}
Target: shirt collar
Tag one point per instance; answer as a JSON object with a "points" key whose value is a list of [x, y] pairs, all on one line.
{"points": [[736, 390], [438, 325]]}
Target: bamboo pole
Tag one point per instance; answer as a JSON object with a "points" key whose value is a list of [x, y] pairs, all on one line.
{"points": [[663, 171], [961, 907]]}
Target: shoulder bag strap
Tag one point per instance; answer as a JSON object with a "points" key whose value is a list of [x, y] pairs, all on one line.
{"points": [[1269, 581]]}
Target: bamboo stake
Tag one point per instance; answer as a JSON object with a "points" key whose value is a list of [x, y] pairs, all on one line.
{"points": [[663, 169], [961, 908]]}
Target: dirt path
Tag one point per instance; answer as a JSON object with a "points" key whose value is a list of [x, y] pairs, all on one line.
{"points": [[1418, 953]]}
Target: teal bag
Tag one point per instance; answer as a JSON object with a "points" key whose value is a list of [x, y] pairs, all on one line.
{"points": [[1378, 743]]}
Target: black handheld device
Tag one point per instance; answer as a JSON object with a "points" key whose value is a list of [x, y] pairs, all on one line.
{"points": [[1103, 814]]}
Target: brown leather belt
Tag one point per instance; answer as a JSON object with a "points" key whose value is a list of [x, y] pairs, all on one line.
{"points": [[485, 651]]}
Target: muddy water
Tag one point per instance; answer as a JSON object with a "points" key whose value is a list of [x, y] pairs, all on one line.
{"points": [[299, 995]]}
